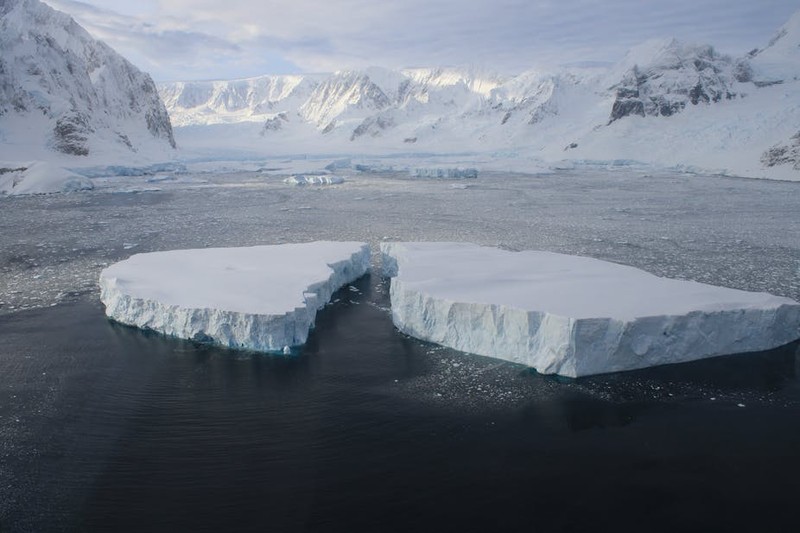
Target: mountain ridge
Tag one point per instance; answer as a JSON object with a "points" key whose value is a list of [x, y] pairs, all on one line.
{"points": [[664, 90], [63, 91]]}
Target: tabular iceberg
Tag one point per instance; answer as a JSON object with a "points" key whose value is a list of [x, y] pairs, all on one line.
{"points": [[262, 298], [570, 315], [322, 179]]}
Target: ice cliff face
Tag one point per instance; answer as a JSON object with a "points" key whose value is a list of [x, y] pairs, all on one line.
{"points": [[77, 89], [261, 298], [570, 315]]}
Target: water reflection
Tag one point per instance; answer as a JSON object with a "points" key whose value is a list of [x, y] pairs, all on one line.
{"points": [[137, 431]]}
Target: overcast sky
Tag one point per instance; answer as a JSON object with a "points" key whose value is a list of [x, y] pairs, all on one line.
{"points": [[224, 39]]}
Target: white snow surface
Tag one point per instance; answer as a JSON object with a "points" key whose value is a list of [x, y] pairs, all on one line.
{"points": [[262, 298], [667, 104], [39, 177], [572, 315], [780, 59], [65, 95]]}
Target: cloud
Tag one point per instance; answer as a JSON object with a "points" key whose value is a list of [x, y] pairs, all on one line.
{"points": [[166, 47], [194, 39]]}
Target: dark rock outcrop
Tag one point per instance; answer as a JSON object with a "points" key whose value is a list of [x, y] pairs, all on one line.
{"points": [[673, 77], [71, 134], [372, 126], [784, 154], [275, 123]]}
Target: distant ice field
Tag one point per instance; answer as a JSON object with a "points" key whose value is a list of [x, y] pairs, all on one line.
{"points": [[737, 233]]}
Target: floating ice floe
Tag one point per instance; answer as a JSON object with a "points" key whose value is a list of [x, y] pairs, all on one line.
{"points": [[159, 179], [444, 173], [373, 168], [104, 171], [262, 298], [322, 179], [570, 315], [339, 164]]}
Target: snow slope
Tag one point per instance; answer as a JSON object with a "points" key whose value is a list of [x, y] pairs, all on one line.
{"points": [[779, 61], [61, 91], [570, 315], [667, 103], [39, 177], [261, 298]]}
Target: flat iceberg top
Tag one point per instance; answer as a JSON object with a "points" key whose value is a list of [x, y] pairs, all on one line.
{"points": [[263, 280], [556, 284]]}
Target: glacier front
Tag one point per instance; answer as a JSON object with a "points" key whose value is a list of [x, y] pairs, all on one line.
{"points": [[262, 298], [570, 315]]}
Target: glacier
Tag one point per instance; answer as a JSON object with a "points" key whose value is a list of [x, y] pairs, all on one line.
{"points": [[262, 298], [570, 315]]}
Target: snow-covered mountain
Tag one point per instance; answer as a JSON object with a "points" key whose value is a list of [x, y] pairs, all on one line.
{"points": [[250, 100], [779, 61], [62, 91], [661, 78], [667, 103], [779, 64], [341, 96], [380, 107]]}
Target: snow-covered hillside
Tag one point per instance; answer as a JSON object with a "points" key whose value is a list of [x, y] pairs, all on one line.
{"points": [[379, 110], [63, 92], [250, 100], [779, 61], [667, 103]]}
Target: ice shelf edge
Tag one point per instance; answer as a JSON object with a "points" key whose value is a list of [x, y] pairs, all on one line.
{"points": [[258, 332]]}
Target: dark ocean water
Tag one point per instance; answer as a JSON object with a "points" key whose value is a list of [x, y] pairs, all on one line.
{"points": [[107, 428]]}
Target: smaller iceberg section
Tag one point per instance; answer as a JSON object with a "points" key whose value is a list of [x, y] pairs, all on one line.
{"points": [[261, 298], [444, 173], [573, 316], [322, 179]]}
